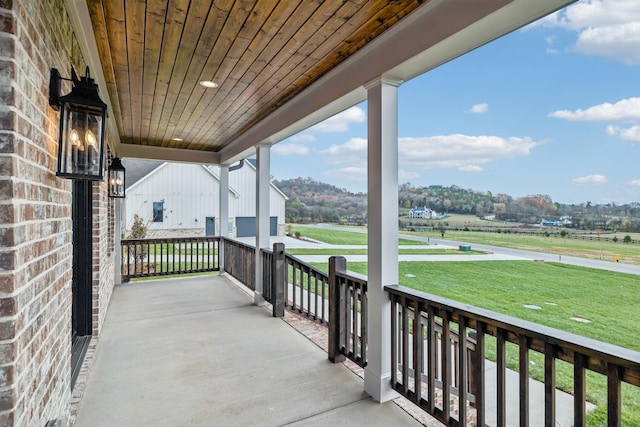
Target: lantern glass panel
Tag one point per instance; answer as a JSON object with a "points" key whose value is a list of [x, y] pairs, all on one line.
{"points": [[81, 138]]}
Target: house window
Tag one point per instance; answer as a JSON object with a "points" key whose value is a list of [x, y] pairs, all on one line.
{"points": [[158, 209]]}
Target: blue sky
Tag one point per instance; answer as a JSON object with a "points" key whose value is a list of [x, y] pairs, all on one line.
{"points": [[552, 109]]}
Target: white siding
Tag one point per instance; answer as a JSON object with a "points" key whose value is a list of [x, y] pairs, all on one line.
{"points": [[189, 192]]}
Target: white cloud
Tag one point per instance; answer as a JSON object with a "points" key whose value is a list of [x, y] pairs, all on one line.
{"points": [[631, 134], [463, 152], [352, 151], [341, 121], [635, 183], [285, 149], [589, 179], [479, 108], [460, 151], [609, 28], [617, 41], [471, 168], [626, 109], [303, 138]]}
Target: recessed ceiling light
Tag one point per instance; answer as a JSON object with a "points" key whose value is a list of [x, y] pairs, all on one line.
{"points": [[208, 83], [177, 139]]}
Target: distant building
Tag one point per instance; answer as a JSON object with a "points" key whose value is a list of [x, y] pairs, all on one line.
{"points": [[423, 212], [184, 199]]}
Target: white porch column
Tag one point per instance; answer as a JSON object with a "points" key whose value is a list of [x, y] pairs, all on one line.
{"points": [[263, 184], [223, 206], [382, 201]]}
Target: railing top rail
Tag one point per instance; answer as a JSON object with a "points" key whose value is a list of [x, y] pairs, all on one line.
{"points": [[352, 275], [610, 353], [315, 271], [238, 242], [171, 239]]}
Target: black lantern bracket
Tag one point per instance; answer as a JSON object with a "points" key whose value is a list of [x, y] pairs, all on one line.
{"points": [[55, 83]]}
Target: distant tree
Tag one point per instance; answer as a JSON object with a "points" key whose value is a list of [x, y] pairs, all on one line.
{"points": [[627, 239], [447, 205], [563, 233], [615, 239]]}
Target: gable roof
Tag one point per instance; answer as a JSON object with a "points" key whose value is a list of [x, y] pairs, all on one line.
{"points": [[136, 169]]}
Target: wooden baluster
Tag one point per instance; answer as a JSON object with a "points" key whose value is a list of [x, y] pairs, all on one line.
{"points": [[479, 374], [523, 341], [446, 366], [549, 385], [614, 396], [405, 346], [579, 390], [418, 351], [431, 358], [501, 379], [462, 371], [364, 314]]}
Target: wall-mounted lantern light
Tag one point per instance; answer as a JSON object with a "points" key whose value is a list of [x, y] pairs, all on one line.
{"points": [[82, 127], [116, 179]]}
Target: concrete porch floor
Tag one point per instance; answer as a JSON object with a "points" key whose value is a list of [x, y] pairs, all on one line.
{"points": [[197, 352]]}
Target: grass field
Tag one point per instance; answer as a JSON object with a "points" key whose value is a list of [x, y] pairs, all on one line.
{"points": [[608, 300], [563, 291], [339, 237], [629, 253], [593, 249], [353, 251]]}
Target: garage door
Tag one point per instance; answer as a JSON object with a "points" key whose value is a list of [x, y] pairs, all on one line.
{"points": [[246, 226]]}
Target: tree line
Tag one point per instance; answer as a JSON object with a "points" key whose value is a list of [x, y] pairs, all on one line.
{"points": [[315, 201]]}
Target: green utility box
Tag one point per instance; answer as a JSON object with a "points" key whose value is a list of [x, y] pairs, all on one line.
{"points": [[464, 248]]}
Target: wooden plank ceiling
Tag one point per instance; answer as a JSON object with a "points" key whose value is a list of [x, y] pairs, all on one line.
{"points": [[261, 53]]}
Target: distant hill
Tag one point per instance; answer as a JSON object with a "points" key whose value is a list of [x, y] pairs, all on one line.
{"points": [[315, 201]]}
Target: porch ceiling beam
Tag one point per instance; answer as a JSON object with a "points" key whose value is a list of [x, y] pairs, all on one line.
{"points": [[168, 154]]}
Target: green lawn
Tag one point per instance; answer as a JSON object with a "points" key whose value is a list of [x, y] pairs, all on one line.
{"points": [[339, 237], [594, 249], [333, 251], [609, 300]]}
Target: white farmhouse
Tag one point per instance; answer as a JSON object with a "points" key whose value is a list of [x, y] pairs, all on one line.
{"points": [[423, 212], [182, 198]]}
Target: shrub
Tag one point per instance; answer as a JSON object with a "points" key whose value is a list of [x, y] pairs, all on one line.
{"points": [[139, 231], [627, 239], [615, 239]]}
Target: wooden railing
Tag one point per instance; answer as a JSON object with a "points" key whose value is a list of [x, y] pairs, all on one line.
{"points": [[419, 357], [167, 256], [306, 290], [348, 311], [240, 261]]}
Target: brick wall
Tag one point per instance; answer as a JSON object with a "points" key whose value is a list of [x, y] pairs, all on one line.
{"points": [[103, 254], [35, 219]]}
